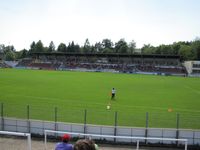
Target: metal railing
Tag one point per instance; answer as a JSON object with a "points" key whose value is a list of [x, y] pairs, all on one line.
{"points": [[102, 117], [28, 135], [111, 136]]}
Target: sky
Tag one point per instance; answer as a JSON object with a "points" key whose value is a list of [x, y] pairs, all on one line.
{"points": [[152, 22]]}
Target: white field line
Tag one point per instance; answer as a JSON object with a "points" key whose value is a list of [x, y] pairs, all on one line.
{"points": [[103, 104], [194, 90], [83, 101]]}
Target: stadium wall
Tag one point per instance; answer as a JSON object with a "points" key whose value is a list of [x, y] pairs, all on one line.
{"points": [[37, 127]]}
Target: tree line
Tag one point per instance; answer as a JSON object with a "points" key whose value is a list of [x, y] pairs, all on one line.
{"points": [[187, 50], [106, 46]]}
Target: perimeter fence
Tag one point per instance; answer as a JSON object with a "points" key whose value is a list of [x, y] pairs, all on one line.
{"points": [[102, 117]]}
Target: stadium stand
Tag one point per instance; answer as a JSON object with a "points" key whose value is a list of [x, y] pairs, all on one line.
{"points": [[193, 68], [122, 63], [11, 64], [3, 65]]}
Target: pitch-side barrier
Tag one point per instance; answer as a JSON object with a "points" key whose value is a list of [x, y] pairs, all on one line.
{"points": [[28, 135], [111, 136]]}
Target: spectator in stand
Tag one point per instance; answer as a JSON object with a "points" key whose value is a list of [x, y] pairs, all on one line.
{"points": [[64, 145], [85, 144]]}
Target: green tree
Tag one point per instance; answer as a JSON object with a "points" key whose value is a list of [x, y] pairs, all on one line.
{"points": [[39, 47], [98, 47], [62, 48], [51, 47], [108, 50], [8, 52], [148, 49], [9, 48], [72, 47], [24, 53], [121, 46], [196, 49], [32, 47], [107, 46], [93, 50], [21, 54], [107, 43], [165, 49], [186, 52], [77, 48], [10, 56], [176, 47], [2, 48], [131, 47], [86, 47]]}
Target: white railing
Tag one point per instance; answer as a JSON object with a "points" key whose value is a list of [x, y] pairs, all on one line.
{"points": [[28, 135], [111, 136]]}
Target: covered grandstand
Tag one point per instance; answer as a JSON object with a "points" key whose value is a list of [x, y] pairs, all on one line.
{"points": [[123, 63]]}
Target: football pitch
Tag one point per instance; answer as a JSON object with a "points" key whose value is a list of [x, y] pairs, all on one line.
{"points": [[83, 96]]}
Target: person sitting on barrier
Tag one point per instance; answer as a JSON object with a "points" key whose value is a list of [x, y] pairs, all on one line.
{"points": [[85, 144], [64, 145]]}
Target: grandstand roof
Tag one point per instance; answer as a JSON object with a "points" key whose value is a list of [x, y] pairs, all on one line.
{"points": [[109, 55]]}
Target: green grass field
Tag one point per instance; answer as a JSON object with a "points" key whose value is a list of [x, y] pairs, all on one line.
{"points": [[73, 92]]}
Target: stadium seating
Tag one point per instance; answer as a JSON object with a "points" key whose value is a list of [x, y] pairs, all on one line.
{"points": [[3, 65], [107, 63]]}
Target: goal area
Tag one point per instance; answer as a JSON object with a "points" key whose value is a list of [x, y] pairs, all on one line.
{"points": [[18, 134], [137, 139]]}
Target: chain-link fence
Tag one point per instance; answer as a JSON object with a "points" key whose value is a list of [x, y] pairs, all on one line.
{"points": [[104, 117]]}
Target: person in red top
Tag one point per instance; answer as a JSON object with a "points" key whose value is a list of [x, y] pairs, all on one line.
{"points": [[64, 145]]}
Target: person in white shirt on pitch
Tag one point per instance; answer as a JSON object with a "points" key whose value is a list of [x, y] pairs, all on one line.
{"points": [[113, 92]]}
